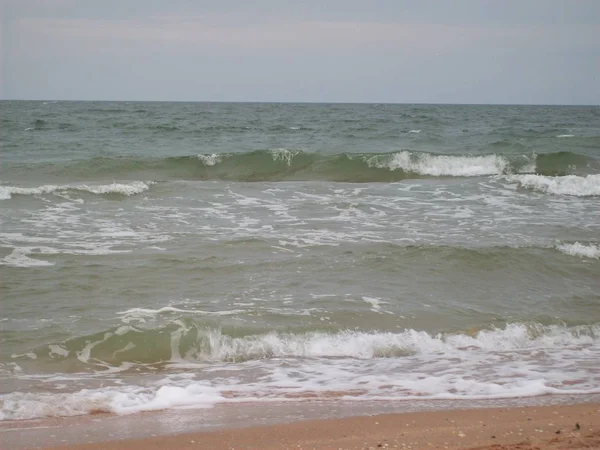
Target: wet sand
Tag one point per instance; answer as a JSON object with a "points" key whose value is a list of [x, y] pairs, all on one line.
{"points": [[534, 427]]}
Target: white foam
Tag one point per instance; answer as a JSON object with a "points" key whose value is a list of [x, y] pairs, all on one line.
{"points": [[374, 302], [19, 257], [284, 155], [516, 361], [194, 395], [136, 187], [5, 192], [140, 314], [210, 160], [441, 165], [126, 400], [58, 350], [361, 345], [565, 135], [575, 185], [578, 249], [132, 188]]}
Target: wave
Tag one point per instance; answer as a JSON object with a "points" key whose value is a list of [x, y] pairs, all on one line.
{"points": [[579, 186], [441, 165], [562, 163], [578, 249], [183, 339], [293, 165], [127, 189], [519, 360], [210, 160], [121, 400]]}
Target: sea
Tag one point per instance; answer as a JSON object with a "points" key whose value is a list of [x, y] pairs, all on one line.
{"points": [[158, 256]]}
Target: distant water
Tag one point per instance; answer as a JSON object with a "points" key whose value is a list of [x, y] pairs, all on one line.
{"points": [[158, 255]]}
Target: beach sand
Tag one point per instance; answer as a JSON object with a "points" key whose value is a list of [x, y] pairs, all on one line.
{"points": [[535, 427]]}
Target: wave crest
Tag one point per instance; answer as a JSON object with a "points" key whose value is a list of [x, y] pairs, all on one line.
{"points": [[127, 189], [579, 186], [519, 360], [184, 339], [285, 164], [441, 165], [578, 249]]}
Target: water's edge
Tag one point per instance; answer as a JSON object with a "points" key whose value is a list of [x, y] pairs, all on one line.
{"points": [[66, 431]]}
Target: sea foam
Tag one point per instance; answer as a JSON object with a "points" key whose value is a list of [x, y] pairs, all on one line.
{"points": [[441, 165], [128, 189], [284, 155], [141, 314], [210, 344], [579, 186], [125, 400], [520, 360], [210, 159], [579, 249], [361, 345]]}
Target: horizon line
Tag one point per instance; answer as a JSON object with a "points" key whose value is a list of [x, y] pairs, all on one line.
{"points": [[298, 102]]}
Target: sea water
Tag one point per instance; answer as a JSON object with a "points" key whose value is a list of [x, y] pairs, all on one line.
{"points": [[165, 255]]}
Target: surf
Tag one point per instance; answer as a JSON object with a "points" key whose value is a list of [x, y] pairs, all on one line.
{"points": [[284, 164]]}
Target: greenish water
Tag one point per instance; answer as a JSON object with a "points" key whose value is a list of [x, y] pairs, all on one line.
{"points": [[159, 255]]}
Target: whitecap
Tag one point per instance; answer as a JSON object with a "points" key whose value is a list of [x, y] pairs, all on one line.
{"points": [[19, 257], [519, 360], [579, 186], [579, 249], [210, 160], [128, 189], [284, 155], [441, 165], [364, 345]]}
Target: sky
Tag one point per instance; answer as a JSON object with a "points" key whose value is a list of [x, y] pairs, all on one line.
{"points": [[381, 51]]}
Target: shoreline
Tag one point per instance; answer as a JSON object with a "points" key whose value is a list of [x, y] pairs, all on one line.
{"points": [[320, 425], [523, 428]]}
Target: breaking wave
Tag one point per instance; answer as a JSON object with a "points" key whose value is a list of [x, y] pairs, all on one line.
{"points": [[441, 165], [289, 165], [579, 186], [184, 339], [122, 400], [519, 360], [131, 188], [580, 249]]}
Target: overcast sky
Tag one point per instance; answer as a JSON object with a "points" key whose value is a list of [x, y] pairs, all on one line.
{"points": [[400, 51]]}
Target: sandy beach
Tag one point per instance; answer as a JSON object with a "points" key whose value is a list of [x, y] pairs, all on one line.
{"points": [[539, 427]]}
